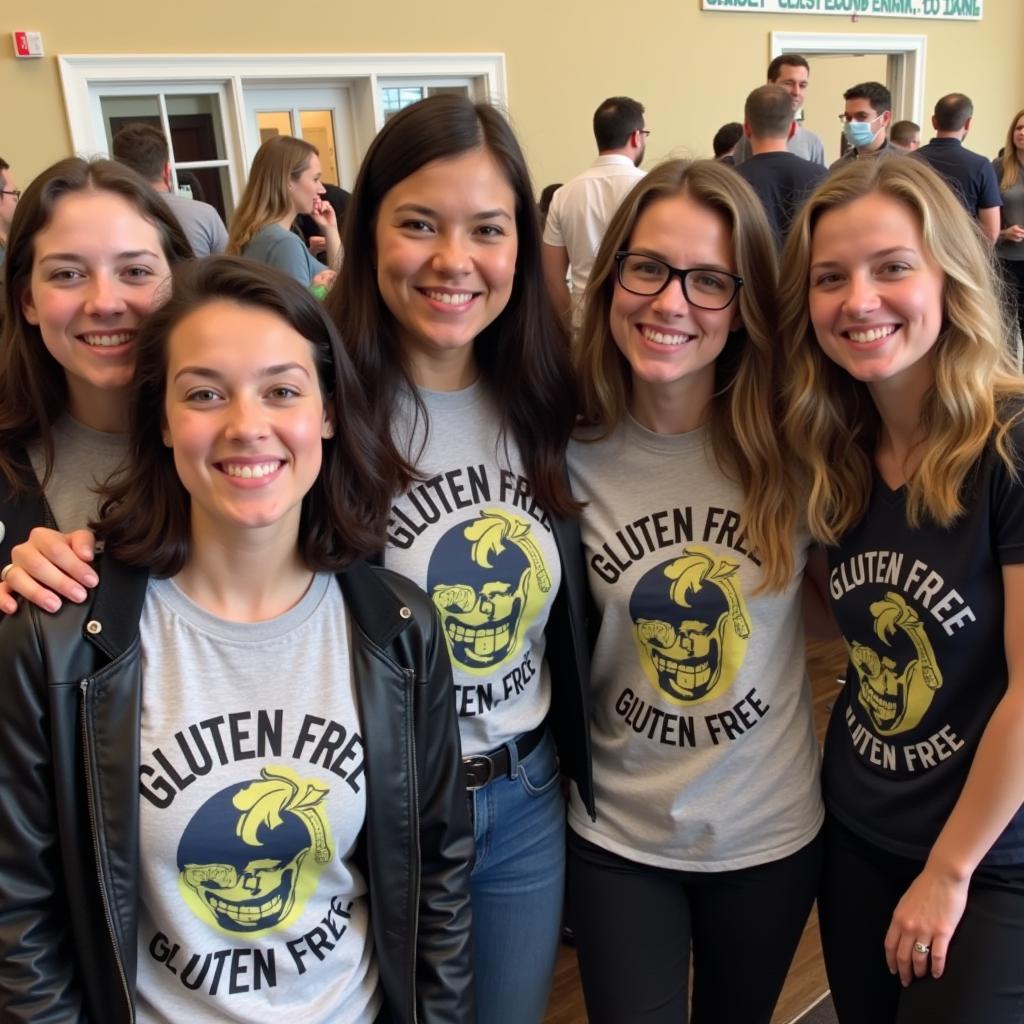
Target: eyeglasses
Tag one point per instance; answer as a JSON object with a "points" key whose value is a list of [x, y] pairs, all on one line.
{"points": [[862, 116], [644, 131], [16, 192], [647, 275]]}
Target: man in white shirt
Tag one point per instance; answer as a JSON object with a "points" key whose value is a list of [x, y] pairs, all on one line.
{"points": [[582, 208], [793, 73]]}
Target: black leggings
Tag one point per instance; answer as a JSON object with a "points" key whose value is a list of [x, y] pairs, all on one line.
{"points": [[634, 925], [983, 982]]}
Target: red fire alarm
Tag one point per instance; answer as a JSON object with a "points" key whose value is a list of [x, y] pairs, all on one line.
{"points": [[28, 44]]}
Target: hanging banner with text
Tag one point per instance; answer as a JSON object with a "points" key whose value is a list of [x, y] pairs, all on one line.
{"points": [[932, 10]]}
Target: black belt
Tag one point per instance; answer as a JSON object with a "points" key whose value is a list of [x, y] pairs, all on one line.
{"points": [[482, 768]]}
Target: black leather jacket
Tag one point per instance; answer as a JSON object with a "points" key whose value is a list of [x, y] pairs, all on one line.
{"points": [[69, 804]]}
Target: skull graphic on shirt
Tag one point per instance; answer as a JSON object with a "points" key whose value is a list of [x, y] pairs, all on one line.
{"points": [[243, 858]]}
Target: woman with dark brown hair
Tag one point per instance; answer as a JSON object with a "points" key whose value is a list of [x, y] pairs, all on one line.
{"points": [[91, 245], [466, 368], [230, 786]]}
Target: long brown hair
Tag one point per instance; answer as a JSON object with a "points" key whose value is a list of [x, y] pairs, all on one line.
{"points": [[145, 518], [33, 387], [1010, 161], [266, 199], [523, 355], [745, 408], [830, 419]]}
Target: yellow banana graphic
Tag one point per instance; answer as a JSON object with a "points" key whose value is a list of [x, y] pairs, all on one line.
{"points": [[262, 803], [487, 537]]}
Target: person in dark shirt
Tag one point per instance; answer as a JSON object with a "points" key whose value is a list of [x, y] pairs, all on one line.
{"points": [[338, 198], [970, 175], [781, 179], [725, 140], [908, 418]]}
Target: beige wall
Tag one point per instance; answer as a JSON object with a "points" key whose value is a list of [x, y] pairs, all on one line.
{"points": [[691, 68]]}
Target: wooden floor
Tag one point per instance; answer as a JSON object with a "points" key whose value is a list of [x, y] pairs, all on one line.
{"points": [[806, 981]]}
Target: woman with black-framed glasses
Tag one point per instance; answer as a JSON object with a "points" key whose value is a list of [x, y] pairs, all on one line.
{"points": [[705, 761]]}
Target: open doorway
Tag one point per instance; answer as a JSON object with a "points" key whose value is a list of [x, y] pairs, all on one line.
{"points": [[831, 75], [839, 60]]}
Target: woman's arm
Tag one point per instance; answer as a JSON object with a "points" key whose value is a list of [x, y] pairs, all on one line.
{"points": [[48, 566], [37, 974], [444, 985], [819, 623], [931, 908]]}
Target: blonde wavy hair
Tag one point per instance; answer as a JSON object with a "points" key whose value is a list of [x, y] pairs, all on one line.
{"points": [[745, 407], [1010, 162], [266, 199], [830, 420]]}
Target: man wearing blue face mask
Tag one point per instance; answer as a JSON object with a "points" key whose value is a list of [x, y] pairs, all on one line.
{"points": [[865, 121]]}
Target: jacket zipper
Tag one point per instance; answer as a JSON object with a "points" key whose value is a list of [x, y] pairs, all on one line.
{"points": [[410, 676], [91, 801]]}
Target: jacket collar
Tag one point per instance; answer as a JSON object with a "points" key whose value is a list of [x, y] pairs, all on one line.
{"points": [[112, 621], [376, 608]]}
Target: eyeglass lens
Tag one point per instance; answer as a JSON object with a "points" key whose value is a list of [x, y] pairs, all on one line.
{"points": [[645, 275]]}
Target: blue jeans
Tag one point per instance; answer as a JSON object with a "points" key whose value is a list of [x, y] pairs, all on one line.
{"points": [[517, 887]]}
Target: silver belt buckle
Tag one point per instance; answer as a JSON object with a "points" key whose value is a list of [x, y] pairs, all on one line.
{"points": [[478, 770]]}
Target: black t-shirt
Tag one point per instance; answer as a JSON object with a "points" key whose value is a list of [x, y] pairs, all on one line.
{"points": [[782, 182], [921, 611], [970, 175]]}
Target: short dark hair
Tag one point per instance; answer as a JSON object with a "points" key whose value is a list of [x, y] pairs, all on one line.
{"points": [[902, 132], [523, 354], [952, 112], [615, 120], [33, 386], [145, 517], [874, 92], [794, 60], [143, 148], [769, 112], [727, 136]]}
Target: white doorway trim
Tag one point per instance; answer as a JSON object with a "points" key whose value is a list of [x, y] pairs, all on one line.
{"points": [[83, 76], [910, 51]]}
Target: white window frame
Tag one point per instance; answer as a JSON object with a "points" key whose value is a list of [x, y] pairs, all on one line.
{"points": [[908, 87], [84, 77]]}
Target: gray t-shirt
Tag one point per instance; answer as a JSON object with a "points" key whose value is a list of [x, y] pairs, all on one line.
{"points": [[1012, 212], [803, 143], [83, 460], [284, 250], [473, 537], [252, 800], [200, 222], [703, 736]]}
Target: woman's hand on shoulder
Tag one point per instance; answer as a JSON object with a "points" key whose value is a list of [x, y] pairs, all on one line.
{"points": [[47, 567], [926, 916]]}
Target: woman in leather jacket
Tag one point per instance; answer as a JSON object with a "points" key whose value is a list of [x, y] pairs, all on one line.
{"points": [[230, 782]]}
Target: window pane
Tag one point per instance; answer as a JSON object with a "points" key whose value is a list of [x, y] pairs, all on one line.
{"points": [[274, 122], [119, 111], [394, 98], [196, 131], [210, 184], [318, 129]]}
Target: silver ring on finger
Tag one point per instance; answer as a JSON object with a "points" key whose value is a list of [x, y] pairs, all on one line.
{"points": [[5, 570], [922, 947]]}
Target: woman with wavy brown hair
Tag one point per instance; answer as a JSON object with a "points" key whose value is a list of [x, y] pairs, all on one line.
{"points": [[467, 371], [284, 181], [705, 761], [905, 412], [1010, 245]]}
